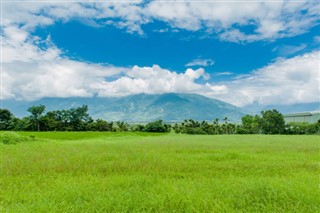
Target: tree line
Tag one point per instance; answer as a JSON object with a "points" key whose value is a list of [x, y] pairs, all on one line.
{"points": [[78, 119]]}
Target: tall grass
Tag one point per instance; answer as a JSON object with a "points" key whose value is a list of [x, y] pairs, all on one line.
{"points": [[138, 172]]}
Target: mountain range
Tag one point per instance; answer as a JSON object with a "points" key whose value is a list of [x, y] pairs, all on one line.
{"points": [[170, 107]]}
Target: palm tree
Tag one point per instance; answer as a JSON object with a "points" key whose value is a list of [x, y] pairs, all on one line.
{"points": [[226, 125], [216, 126], [122, 126]]}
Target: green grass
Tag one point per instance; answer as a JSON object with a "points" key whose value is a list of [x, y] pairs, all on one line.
{"points": [[139, 172]]}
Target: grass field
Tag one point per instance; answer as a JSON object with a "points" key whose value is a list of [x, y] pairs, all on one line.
{"points": [[137, 172]]}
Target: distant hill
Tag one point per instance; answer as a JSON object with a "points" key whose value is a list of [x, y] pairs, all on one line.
{"points": [[170, 107], [284, 109]]}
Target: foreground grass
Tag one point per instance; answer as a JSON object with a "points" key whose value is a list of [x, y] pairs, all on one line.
{"points": [[138, 172]]}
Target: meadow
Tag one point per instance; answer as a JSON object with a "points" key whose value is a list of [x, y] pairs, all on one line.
{"points": [[144, 172]]}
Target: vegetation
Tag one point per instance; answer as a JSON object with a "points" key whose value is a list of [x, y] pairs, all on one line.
{"points": [[302, 128], [78, 119], [157, 126], [144, 172], [250, 125], [6, 118], [36, 115], [272, 122], [14, 138]]}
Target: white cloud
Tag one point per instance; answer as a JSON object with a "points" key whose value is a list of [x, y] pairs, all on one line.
{"points": [[269, 20], [286, 81], [196, 74], [154, 80], [32, 14], [285, 50], [30, 72], [222, 73], [58, 78], [164, 30], [200, 62], [18, 45]]}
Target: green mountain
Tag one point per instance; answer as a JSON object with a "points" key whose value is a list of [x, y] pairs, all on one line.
{"points": [[170, 107]]}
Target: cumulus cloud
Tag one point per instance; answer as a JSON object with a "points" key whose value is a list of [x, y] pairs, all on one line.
{"points": [[32, 14], [200, 62], [269, 20], [154, 80], [30, 72], [58, 78], [286, 81]]}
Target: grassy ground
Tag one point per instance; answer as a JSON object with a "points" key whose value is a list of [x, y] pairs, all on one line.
{"points": [[118, 172]]}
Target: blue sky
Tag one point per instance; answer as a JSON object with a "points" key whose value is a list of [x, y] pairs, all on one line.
{"points": [[171, 50], [242, 52]]}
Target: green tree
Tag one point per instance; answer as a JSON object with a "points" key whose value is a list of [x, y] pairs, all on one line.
{"points": [[100, 125], [122, 126], [231, 128], [250, 124], [63, 117], [5, 117], [157, 126], [176, 128], [225, 125], [36, 114], [79, 118], [51, 122], [137, 128], [193, 127], [23, 124], [272, 122], [216, 126]]}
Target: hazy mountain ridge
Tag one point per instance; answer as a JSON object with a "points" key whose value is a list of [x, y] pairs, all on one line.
{"points": [[284, 108], [170, 107]]}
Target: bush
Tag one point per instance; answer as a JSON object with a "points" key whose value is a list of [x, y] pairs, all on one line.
{"points": [[242, 131], [11, 138], [157, 126], [301, 128]]}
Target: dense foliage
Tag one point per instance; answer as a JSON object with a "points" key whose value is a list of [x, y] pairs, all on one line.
{"points": [[157, 126], [272, 122], [194, 127], [78, 119]]}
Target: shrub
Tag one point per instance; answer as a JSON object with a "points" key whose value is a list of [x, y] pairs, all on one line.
{"points": [[14, 138], [301, 128], [157, 126]]}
